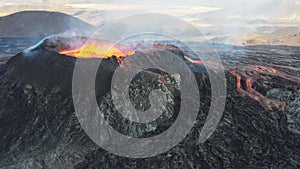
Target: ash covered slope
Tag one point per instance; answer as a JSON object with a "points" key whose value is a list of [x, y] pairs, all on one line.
{"points": [[39, 127], [38, 122], [248, 135], [34, 24], [286, 36]]}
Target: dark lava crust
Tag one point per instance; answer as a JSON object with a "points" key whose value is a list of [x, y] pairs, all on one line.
{"points": [[39, 128]]}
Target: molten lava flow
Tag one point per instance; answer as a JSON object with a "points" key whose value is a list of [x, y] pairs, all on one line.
{"points": [[246, 75], [266, 103], [199, 62], [98, 50]]}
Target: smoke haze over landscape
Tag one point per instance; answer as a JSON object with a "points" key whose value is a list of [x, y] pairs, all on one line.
{"points": [[230, 22]]}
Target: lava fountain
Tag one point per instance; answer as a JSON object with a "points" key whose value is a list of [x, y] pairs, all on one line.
{"points": [[97, 49]]}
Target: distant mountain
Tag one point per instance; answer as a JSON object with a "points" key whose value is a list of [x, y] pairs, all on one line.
{"points": [[274, 10], [285, 36], [32, 24], [94, 17], [248, 13], [257, 22], [267, 29]]}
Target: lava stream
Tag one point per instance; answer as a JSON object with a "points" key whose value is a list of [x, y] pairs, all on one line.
{"points": [[248, 74]]}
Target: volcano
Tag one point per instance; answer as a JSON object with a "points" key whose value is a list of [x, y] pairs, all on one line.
{"points": [[260, 127], [37, 24]]}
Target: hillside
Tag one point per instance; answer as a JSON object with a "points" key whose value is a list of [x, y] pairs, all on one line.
{"points": [[32, 24], [286, 36]]}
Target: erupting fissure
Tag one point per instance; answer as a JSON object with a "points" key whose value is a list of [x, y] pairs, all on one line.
{"points": [[96, 49]]}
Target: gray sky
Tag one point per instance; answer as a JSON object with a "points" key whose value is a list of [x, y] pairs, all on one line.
{"points": [[219, 3]]}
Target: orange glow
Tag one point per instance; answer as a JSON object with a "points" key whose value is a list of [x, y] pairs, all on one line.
{"points": [[97, 50], [249, 83], [274, 71], [199, 62], [238, 81]]}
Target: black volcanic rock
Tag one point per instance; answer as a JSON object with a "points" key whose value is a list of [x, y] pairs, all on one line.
{"points": [[39, 128], [44, 68], [37, 116], [247, 136]]}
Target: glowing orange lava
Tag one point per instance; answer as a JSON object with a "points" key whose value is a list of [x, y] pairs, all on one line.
{"points": [[98, 50], [249, 74], [199, 62]]}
